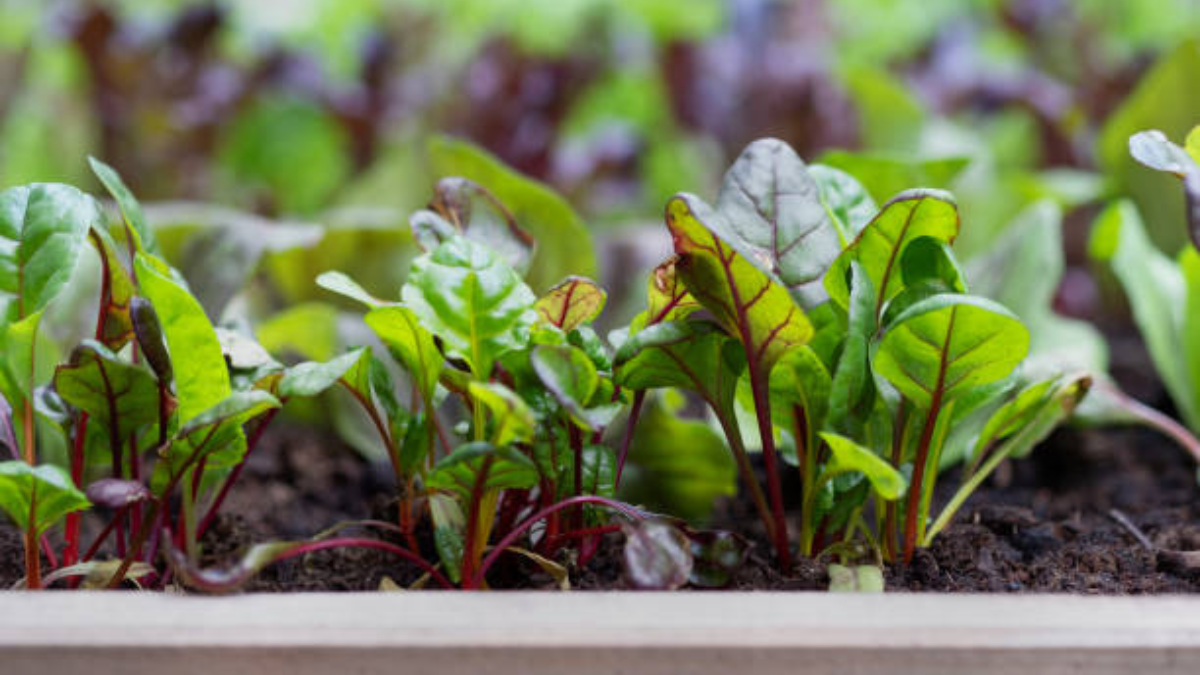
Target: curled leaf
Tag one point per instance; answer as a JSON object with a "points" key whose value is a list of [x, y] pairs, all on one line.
{"points": [[657, 555], [117, 493]]}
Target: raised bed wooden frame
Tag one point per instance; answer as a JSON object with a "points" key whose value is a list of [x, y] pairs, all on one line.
{"points": [[579, 633]]}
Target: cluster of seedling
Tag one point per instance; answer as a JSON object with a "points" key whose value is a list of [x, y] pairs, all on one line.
{"points": [[847, 333]]}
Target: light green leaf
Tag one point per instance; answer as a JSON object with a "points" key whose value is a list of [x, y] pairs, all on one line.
{"points": [[850, 392], [311, 378], [409, 343], [850, 456], [43, 230], [880, 247], [201, 377], [345, 286], [948, 344], [512, 420], [886, 176], [847, 202], [308, 329], [131, 209], [569, 375], [469, 298], [48, 488], [216, 433], [507, 469]]}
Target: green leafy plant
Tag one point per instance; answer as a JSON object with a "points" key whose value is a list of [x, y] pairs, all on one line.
{"points": [[852, 341]]}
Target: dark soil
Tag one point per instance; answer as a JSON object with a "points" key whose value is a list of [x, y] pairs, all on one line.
{"points": [[1042, 524]]}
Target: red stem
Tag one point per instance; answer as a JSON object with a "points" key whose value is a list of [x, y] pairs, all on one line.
{"points": [[255, 436], [635, 411], [71, 551], [529, 522]]}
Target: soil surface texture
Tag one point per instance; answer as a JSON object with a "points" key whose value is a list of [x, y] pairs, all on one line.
{"points": [[1049, 523]]}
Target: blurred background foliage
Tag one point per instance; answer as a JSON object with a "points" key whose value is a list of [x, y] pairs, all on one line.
{"points": [[318, 126]]}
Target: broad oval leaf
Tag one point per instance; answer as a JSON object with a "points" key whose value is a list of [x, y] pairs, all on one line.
{"points": [[215, 435], [43, 230], [507, 469], [310, 378], [111, 390], [880, 246], [568, 374], [847, 455], [470, 299], [48, 487], [574, 301], [773, 206], [947, 344], [409, 343], [746, 301]]}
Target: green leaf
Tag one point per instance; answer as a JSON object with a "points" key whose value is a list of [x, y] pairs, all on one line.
{"points": [[512, 420], [847, 202], [564, 245], [507, 469], [449, 531], [201, 377], [569, 375], [849, 456], [118, 326], [930, 260], [43, 230], [746, 301], [311, 378], [774, 215], [692, 355], [110, 390], [880, 247], [800, 380], [1014, 431], [850, 390], [216, 433], [573, 302], [599, 470], [677, 465], [345, 286], [947, 344], [131, 209], [469, 298], [16, 358], [462, 207], [48, 488], [1158, 295], [400, 331]]}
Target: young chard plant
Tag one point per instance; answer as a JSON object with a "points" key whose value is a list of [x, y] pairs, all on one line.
{"points": [[853, 342]]}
